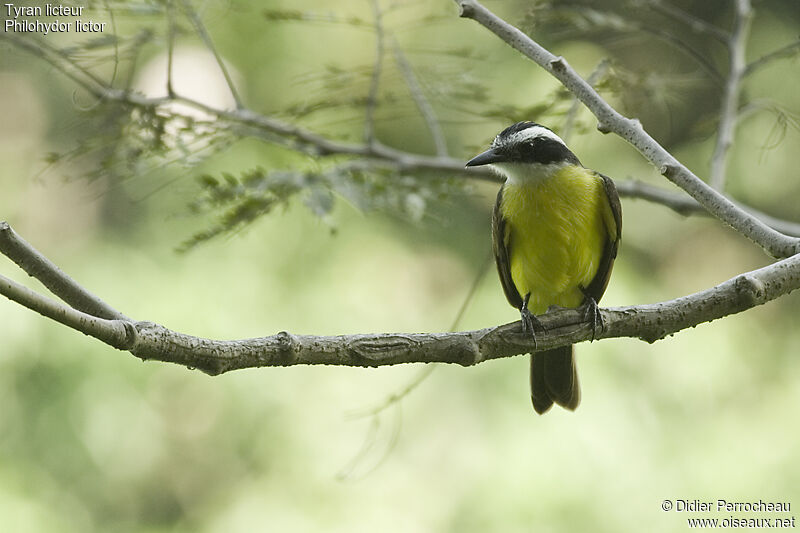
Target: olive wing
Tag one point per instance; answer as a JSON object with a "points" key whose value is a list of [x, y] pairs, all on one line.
{"points": [[500, 245], [612, 219]]}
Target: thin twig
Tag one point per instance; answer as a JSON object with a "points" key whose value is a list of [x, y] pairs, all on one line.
{"points": [[397, 396], [315, 144], [38, 266], [784, 51], [262, 125], [598, 72], [116, 42], [272, 129], [730, 98], [693, 23], [171, 31], [57, 58], [609, 20], [115, 333], [424, 107], [704, 63], [209, 43], [685, 205], [141, 38], [425, 373], [374, 85]]}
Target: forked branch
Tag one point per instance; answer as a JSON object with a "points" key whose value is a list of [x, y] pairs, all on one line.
{"points": [[631, 130], [147, 340], [88, 314]]}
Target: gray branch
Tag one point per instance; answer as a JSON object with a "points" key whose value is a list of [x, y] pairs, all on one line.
{"points": [[200, 28], [171, 33], [631, 130], [39, 267], [305, 140], [150, 341], [692, 22], [374, 84], [424, 107], [116, 333], [785, 51], [88, 314], [730, 98], [598, 72], [686, 205]]}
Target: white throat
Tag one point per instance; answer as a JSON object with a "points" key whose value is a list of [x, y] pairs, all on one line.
{"points": [[527, 173]]}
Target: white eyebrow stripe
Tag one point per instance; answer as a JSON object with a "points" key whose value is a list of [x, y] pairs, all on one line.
{"points": [[530, 133]]}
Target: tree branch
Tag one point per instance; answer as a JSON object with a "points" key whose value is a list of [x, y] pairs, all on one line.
{"points": [[116, 333], [90, 315], [631, 130], [598, 72], [38, 266], [567, 326], [784, 51], [692, 22], [651, 322], [730, 99], [686, 205], [323, 146], [200, 28], [268, 128], [424, 107], [372, 97], [171, 32]]}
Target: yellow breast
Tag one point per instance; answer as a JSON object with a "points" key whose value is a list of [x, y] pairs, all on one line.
{"points": [[556, 230]]}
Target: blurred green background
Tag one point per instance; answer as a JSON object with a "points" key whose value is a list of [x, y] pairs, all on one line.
{"points": [[92, 439]]}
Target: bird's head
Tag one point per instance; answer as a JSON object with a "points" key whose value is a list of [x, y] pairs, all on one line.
{"points": [[526, 151]]}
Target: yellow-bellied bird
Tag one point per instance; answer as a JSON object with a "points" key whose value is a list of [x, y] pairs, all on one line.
{"points": [[555, 230]]}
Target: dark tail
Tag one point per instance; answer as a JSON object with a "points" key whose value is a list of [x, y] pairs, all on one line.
{"points": [[554, 378]]}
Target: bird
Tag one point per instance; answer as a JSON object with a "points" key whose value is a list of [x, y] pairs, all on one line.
{"points": [[556, 228]]}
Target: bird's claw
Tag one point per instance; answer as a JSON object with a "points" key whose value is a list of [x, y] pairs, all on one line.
{"points": [[592, 314], [530, 323]]}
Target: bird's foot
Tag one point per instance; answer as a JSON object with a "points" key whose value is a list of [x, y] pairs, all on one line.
{"points": [[530, 324], [592, 314]]}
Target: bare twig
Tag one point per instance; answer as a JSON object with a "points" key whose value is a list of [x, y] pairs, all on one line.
{"points": [[263, 126], [113, 20], [631, 130], [609, 20], [730, 98], [686, 205], [115, 333], [58, 59], [690, 51], [681, 203], [209, 43], [305, 140], [171, 31], [308, 141], [425, 373], [374, 85], [784, 51], [598, 72], [38, 266], [425, 108], [398, 396], [693, 23]]}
